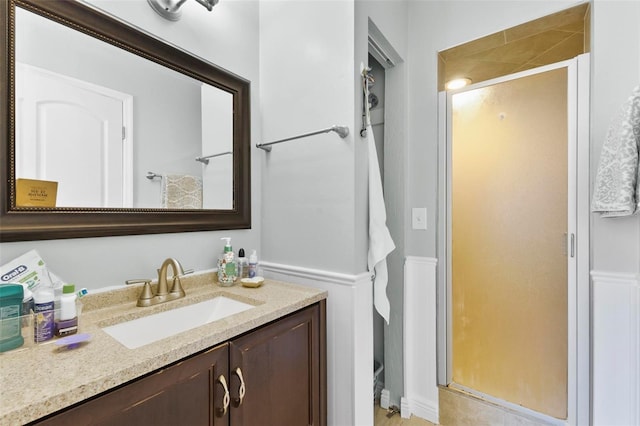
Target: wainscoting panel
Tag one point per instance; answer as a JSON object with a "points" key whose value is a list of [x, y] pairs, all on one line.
{"points": [[349, 339], [420, 366], [616, 348]]}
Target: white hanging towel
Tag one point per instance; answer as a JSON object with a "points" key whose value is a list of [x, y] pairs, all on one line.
{"points": [[181, 192], [617, 187], [380, 242]]}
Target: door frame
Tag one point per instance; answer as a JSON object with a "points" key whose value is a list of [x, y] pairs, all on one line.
{"points": [[578, 309]]}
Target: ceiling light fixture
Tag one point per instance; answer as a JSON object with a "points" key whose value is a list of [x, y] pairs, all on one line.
{"points": [[457, 83], [170, 9]]}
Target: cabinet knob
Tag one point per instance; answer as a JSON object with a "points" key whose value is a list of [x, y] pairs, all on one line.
{"points": [[241, 390], [225, 398]]}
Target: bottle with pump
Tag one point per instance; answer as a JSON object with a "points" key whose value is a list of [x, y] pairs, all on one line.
{"points": [[253, 264], [227, 265]]}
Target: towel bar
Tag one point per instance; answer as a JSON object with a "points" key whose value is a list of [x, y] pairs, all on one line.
{"points": [[205, 159], [343, 131]]}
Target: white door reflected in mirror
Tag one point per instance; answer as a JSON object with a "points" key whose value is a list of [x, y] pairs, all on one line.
{"points": [[64, 134], [71, 132]]}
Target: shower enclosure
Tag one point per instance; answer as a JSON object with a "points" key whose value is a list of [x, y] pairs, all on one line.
{"points": [[509, 294]]}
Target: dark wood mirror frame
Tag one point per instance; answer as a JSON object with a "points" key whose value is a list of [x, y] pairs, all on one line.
{"points": [[24, 223]]}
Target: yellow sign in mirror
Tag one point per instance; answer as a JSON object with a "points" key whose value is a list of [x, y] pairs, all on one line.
{"points": [[36, 193]]}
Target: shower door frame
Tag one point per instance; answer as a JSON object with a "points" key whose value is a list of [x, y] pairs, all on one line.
{"points": [[578, 285]]}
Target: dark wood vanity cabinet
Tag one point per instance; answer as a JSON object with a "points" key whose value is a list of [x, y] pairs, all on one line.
{"points": [[274, 375], [284, 370]]}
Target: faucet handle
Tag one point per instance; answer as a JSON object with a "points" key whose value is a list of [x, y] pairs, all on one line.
{"points": [[146, 295], [176, 288], [137, 281]]}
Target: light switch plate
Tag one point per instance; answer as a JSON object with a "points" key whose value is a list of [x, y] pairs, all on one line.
{"points": [[419, 218]]}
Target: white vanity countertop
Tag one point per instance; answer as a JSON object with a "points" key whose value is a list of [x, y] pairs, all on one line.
{"points": [[37, 380]]}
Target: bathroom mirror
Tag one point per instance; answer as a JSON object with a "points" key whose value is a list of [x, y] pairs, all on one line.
{"points": [[178, 158]]}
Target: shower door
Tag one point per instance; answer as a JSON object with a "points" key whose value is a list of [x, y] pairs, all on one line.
{"points": [[511, 203]]}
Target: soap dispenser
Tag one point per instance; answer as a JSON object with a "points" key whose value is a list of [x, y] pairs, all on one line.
{"points": [[227, 265]]}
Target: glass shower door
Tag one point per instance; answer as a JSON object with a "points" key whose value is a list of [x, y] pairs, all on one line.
{"points": [[509, 210]]}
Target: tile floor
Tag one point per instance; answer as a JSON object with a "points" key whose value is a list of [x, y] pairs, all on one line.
{"points": [[460, 409]]}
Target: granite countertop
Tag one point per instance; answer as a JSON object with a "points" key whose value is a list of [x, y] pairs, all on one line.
{"points": [[37, 380]]}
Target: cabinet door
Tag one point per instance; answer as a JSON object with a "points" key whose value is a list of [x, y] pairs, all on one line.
{"points": [[282, 367], [186, 393]]}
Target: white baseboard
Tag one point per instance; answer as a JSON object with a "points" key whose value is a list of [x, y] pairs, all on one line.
{"points": [[385, 397], [425, 410], [349, 338], [615, 323], [405, 408]]}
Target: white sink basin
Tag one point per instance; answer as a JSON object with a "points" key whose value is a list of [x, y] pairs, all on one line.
{"points": [[149, 329]]}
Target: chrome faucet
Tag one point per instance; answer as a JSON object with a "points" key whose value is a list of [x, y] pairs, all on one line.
{"points": [[163, 294]]}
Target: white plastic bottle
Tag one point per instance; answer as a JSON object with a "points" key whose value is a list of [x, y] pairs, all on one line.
{"points": [[253, 264], [68, 302], [44, 314], [67, 323]]}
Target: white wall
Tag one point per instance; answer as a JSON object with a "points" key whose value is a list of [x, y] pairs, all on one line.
{"points": [[307, 75], [615, 245], [615, 72], [227, 36]]}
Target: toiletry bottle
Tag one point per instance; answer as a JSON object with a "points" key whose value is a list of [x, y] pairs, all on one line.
{"points": [[10, 326], [253, 264], [68, 317], [27, 304], [57, 294], [227, 265], [243, 265], [44, 313]]}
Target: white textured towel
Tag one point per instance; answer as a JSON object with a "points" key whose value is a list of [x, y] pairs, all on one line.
{"points": [[181, 192], [617, 187], [380, 242]]}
